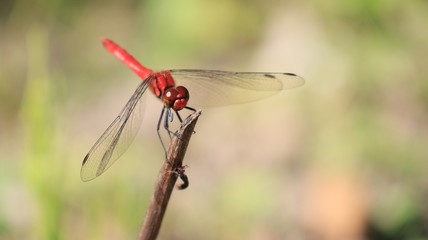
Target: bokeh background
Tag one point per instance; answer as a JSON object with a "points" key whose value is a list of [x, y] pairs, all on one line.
{"points": [[343, 157]]}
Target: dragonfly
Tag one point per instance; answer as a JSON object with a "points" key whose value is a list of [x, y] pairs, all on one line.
{"points": [[207, 88]]}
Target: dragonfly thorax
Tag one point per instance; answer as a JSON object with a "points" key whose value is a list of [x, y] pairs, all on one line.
{"points": [[175, 97], [161, 81]]}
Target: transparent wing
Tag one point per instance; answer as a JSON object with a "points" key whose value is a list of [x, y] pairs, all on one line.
{"points": [[117, 138], [218, 88]]}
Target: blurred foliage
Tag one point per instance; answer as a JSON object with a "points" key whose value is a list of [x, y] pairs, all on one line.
{"points": [[343, 157]]}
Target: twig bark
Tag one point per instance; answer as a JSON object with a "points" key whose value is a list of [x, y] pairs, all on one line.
{"points": [[167, 178]]}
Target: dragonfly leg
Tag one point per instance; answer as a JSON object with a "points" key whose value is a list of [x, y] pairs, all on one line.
{"points": [[158, 129], [190, 108], [179, 117], [169, 118], [165, 123]]}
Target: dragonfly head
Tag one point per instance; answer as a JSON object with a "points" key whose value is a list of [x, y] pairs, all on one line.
{"points": [[175, 97]]}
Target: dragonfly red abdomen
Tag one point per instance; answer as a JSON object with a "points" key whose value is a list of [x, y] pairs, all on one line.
{"points": [[126, 58]]}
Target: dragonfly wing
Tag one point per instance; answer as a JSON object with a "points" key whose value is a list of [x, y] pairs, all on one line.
{"points": [[218, 88], [117, 138]]}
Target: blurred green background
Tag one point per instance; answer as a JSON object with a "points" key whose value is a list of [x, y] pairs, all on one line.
{"points": [[343, 157]]}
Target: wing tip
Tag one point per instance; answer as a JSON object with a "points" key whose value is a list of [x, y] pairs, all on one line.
{"points": [[302, 80], [296, 82], [85, 178]]}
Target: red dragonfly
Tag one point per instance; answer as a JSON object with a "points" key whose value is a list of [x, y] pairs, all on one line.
{"points": [[220, 87]]}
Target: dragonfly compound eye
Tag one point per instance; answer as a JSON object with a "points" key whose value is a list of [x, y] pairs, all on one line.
{"points": [[181, 99], [169, 97], [182, 92]]}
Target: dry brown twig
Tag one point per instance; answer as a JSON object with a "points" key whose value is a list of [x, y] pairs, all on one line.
{"points": [[172, 169]]}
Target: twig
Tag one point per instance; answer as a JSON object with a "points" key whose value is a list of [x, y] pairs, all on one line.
{"points": [[167, 178]]}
